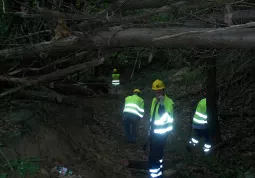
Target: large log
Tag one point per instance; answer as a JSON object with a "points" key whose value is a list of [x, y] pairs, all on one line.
{"points": [[38, 95], [230, 37], [75, 57], [63, 46], [78, 89], [144, 4], [236, 36], [71, 89]]}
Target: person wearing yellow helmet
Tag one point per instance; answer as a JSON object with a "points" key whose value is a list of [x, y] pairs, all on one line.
{"points": [[115, 79], [161, 124], [132, 113]]}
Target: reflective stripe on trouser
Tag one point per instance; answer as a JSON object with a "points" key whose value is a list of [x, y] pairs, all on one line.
{"points": [[193, 141], [197, 134], [207, 147], [156, 155], [157, 172], [115, 82]]}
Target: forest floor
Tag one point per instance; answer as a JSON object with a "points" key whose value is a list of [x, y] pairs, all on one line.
{"points": [[88, 138]]}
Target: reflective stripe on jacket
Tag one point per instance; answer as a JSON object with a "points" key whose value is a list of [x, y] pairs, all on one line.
{"points": [[200, 116], [162, 123], [135, 105], [115, 79]]}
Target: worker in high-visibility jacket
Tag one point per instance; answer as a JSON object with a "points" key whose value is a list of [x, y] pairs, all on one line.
{"points": [[161, 125], [200, 126], [132, 113], [115, 78]]}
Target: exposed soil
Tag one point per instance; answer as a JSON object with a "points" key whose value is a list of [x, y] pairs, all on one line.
{"points": [[88, 138]]}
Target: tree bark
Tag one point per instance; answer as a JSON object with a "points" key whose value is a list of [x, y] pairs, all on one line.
{"points": [[230, 37], [63, 46], [75, 89], [145, 4], [243, 38], [37, 95], [213, 122], [237, 17], [75, 57], [51, 97]]}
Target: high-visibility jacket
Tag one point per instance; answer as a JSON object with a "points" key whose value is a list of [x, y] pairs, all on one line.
{"points": [[135, 105], [200, 116], [115, 79], [162, 123]]}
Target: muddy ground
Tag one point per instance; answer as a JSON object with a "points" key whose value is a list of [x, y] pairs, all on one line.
{"points": [[88, 139]]}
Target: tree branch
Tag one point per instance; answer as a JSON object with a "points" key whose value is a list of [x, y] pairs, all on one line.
{"points": [[52, 76]]}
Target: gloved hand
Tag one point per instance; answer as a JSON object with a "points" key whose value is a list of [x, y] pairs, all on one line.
{"points": [[161, 100]]}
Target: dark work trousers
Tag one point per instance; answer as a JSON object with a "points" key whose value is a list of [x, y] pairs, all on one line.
{"points": [[157, 145], [197, 135], [130, 122]]}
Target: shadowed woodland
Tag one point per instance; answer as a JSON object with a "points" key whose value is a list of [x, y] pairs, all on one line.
{"points": [[56, 102]]}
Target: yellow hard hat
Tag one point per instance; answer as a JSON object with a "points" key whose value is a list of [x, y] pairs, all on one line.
{"points": [[136, 91], [158, 85], [114, 70]]}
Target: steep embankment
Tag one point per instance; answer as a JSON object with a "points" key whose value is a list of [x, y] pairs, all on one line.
{"points": [[88, 137]]}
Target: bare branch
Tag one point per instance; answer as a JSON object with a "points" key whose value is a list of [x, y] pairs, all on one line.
{"points": [[53, 76]]}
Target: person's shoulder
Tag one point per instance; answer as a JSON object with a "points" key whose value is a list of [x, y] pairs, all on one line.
{"points": [[169, 99], [202, 101], [154, 100], [142, 100]]}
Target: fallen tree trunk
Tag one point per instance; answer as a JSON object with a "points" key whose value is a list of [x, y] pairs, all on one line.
{"points": [[237, 17], [77, 56], [145, 4], [55, 75], [63, 46], [50, 97], [242, 39], [231, 37], [38, 95], [76, 89], [71, 89]]}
